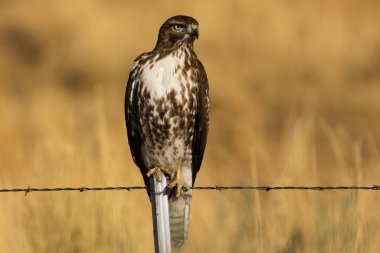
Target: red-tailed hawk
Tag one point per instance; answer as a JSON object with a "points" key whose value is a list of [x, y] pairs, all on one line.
{"points": [[166, 112]]}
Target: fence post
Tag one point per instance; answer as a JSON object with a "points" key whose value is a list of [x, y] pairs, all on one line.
{"points": [[160, 212]]}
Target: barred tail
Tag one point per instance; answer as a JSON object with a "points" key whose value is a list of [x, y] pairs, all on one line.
{"points": [[179, 211]]}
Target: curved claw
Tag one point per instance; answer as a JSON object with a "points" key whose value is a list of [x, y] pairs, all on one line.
{"points": [[178, 185], [185, 188]]}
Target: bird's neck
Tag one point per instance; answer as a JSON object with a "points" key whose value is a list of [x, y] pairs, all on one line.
{"points": [[164, 50]]}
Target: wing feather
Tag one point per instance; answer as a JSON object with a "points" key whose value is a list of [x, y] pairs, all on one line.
{"points": [[132, 118], [201, 120]]}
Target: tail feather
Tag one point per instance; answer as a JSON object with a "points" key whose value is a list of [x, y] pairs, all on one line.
{"points": [[179, 210]]}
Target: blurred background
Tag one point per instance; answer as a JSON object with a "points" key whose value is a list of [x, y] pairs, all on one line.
{"points": [[295, 91]]}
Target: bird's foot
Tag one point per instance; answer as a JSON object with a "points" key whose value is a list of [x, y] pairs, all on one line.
{"points": [[159, 172], [178, 183]]}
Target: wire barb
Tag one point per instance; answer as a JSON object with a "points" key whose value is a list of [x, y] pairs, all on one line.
{"points": [[216, 187], [27, 191]]}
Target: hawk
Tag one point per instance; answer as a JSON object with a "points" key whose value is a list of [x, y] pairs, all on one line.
{"points": [[167, 114]]}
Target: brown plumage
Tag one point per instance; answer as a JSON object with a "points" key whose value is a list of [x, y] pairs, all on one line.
{"points": [[166, 112]]}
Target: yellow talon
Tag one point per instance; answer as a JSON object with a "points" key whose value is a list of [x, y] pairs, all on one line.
{"points": [[159, 171], [178, 183], [178, 190]]}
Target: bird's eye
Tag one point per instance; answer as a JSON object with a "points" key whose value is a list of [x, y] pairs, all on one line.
{"points": [[178, 28]]}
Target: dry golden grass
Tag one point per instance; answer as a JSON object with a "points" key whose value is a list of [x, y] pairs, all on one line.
{"points": [[295, 90]]}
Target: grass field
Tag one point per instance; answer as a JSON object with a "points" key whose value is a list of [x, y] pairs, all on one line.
{"points": [[295, 93]]}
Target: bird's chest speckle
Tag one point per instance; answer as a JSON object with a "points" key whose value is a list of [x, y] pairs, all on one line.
{"points": [[167, 110]]}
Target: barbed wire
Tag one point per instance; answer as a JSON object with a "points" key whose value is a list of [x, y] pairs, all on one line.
{"points": [[216, 188]]}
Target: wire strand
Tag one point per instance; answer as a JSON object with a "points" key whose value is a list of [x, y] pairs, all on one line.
{"points": [[216, 188]]}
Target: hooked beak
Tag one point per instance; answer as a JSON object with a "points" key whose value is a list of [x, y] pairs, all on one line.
{"points": [[192, 29]]}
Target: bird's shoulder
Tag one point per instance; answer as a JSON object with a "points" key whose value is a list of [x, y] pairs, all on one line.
{"points": [[201, 74], [135, 77], [141, 60]]}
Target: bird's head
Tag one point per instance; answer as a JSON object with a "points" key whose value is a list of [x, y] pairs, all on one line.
{"points": [[178, 30]]}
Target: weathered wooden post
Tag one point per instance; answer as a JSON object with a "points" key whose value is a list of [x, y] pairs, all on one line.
{"points": [[160, 211]]}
